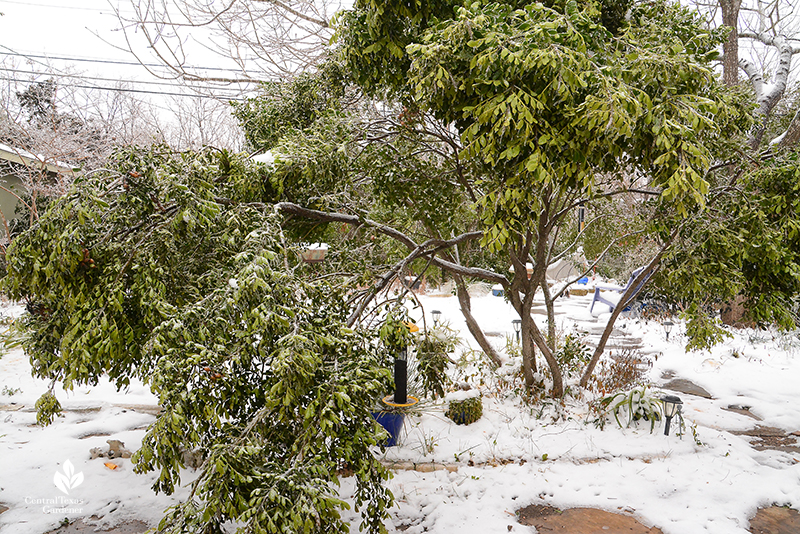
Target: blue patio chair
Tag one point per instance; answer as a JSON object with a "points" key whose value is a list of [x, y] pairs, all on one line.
{"points": [[619, 289]]}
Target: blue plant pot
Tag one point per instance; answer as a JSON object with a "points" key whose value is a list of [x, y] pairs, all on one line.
{"points": [[393, 423]]}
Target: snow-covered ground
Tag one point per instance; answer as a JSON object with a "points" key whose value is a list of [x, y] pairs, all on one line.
{"points": [[710, 481]]}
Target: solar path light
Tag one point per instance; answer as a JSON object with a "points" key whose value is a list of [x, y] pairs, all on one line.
{"points": [[667, 327], [672, 407]]}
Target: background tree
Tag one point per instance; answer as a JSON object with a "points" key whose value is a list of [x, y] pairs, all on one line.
{"points": [[762, 42], [57, 119], [265, 40], [732, 247]]}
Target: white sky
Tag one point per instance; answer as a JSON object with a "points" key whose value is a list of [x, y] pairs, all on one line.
{"points": [[72, 28], [88, 32]]}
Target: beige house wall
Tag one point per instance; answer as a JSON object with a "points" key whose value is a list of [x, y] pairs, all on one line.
{"points": [[8, 202]]}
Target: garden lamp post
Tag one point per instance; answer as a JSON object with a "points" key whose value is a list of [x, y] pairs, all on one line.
{"points": [[517, 327], [436, 314], [672, 406], [667, 327]]}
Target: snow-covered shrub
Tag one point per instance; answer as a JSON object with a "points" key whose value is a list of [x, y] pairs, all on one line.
{"points": [[572, 353], [464, 407], [638, 404]]}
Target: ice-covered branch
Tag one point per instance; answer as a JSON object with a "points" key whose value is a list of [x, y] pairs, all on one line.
{"points": [[791, 136], [768, 95]]}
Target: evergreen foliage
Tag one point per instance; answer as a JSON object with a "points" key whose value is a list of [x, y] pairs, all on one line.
{"points": [[163, 271], [465, 412]]}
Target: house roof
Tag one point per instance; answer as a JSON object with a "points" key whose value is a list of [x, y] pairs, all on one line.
{"points": [[17, 155]]}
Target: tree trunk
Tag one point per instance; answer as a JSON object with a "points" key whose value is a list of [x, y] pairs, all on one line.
{"points": [[472, 324], [528, 343], [768, 95], [552, 363], [523, 306], [730, 48], [624, 299], [550, 306], [733, 313], [534, 338], [539, 279]]}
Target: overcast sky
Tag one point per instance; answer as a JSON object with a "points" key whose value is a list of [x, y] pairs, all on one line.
{"points": [[81, 38], [65, 28]]}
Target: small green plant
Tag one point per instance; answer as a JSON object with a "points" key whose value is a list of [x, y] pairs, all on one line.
{"points": [[471, 368], [788, 341], [466, 411], [457, 455], [433, 359], [10, 391], [695, 434], [635, 405], [573, 354], [427, 442]]}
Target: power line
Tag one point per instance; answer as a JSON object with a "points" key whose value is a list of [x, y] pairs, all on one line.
{"points": [[125, 90], [116, 62], [53, 6], [81, 77]]}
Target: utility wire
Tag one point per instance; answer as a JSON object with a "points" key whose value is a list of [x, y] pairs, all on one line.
{"points": [[124, 90], [81, 77], [53, 6], [120, 90], [114, 62]]}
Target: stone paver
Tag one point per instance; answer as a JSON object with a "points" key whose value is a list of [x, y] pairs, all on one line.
{"points": [[581, 521], [742, 410], [681, 385], [79, 527], [775, 520], [770, 438]]}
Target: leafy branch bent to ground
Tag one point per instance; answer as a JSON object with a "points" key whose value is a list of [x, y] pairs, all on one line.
{"points": [[160, 271]]}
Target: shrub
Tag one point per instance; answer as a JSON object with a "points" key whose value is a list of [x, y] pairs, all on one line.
{"points": [[624, 370], [635, 405], [464, 410], [573, 354], [433, 359]]}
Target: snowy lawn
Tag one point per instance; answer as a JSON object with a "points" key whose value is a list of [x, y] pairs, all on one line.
{"points": [[709, 481]]}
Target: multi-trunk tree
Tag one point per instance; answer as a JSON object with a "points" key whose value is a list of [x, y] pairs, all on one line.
{"points": [[521, 112]]}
